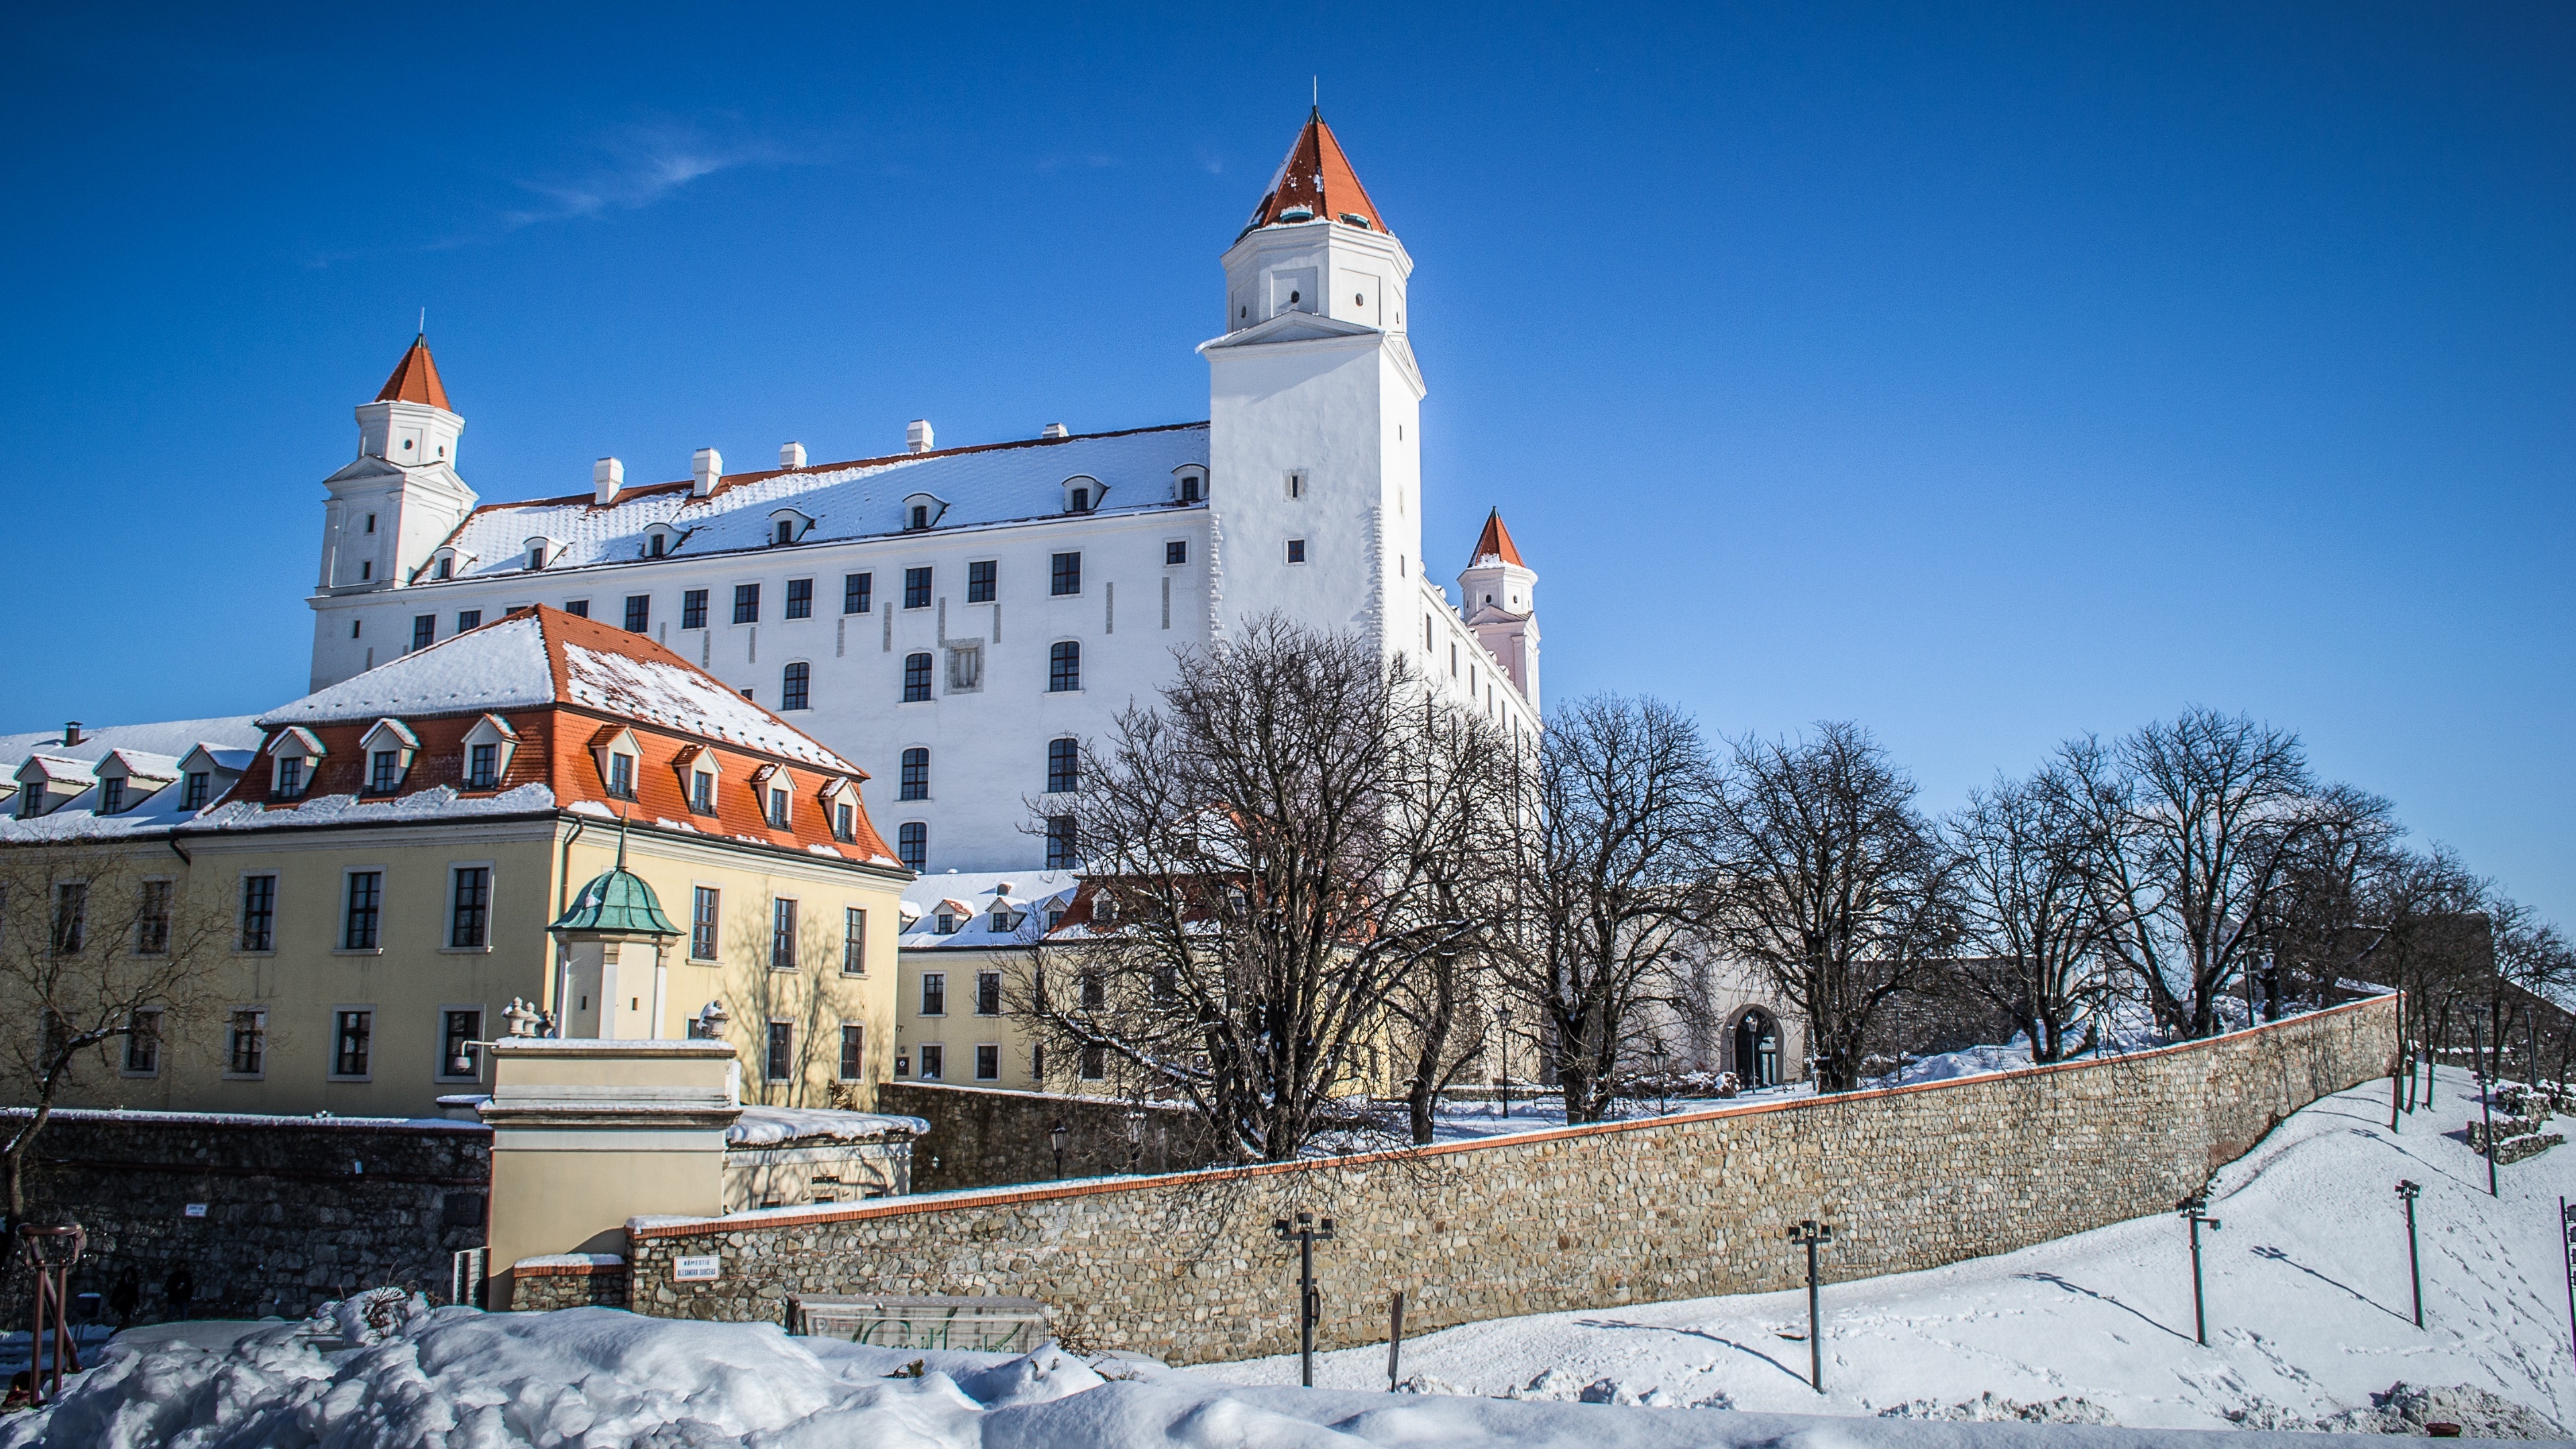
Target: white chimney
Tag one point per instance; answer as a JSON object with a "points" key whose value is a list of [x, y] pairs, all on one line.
{"points": [[1055, 430], [791, 455], [708, 466], [916, 436], [606, 477]]}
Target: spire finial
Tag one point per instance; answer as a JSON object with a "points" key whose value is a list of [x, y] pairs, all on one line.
{"points": [[424, 324], [1315, 101], [621, 840]]}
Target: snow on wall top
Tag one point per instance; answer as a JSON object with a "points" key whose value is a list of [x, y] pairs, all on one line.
{"points": [[685, 700], [499, 666], [776, 1126], [989, 483]]}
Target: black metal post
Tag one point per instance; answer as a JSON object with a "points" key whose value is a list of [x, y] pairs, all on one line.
{"points": [[2194, 1214], [2414, 1264], [1305, 1233], [1395, 1341], [1056, 1135], [2567, 1260], [1813, 1235], [2392, 1104], [2486, 1098]]}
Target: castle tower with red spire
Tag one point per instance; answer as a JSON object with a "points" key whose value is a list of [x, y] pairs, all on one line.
{"points": [[392, 506]]}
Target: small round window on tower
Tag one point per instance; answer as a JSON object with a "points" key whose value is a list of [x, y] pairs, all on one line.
{"points": [[1292, 299], [1359, 299]]}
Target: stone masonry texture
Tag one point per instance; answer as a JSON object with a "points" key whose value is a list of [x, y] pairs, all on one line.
{"points": [[298, 1210], [1184, 1266], [980, 1138]]}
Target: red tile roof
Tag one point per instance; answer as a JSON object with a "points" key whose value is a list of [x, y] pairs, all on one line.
{"points": [[1495, 542], [1319, 177], [415, 379]]}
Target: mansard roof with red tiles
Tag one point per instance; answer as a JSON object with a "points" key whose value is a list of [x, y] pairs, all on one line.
{"points": [[1318, 177], [566, 692], [415, 379], [1495, 543]]}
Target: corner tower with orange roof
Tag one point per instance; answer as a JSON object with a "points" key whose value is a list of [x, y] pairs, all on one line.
{"points": [[400, 498], [1498, 595]]}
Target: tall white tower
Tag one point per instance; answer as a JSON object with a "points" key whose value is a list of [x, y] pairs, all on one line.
{"points": [[1315, 439], [402, 496], [1498, 595]]}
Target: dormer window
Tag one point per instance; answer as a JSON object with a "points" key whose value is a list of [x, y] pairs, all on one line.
{"points": [[614, 750], [844, 822], [488, 748], [448, 561], [111, 795], [295, 758], [446, 566], [621, 775], [290, 777], [389, 746], [787, 525], [778, 805], [536, 555], [702, 791], [655, 545], [200, 784], [841, 807], [542, 551], [947, 923], [1189, 484], [1083, 493], [922, 510]]}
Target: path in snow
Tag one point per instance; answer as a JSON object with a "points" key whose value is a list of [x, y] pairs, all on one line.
{"points": [[2309, 1309]]}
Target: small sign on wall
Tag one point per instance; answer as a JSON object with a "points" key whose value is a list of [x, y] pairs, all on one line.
{"points": [[193, 1210], [694, 1269]]}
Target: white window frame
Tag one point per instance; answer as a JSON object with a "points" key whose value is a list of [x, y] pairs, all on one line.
{"points": [[331, 1047], [447, 908], [160, 1045], [439, 1071], [239, 1009], [340, 918]]}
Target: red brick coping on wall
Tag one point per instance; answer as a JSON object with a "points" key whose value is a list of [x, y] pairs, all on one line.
{"points": [[643, 1228]]}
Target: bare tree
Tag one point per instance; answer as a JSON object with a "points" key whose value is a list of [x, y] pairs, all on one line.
{"points": [[2200, 822], [98, 955], [1459, 813], [1832, 885], [1615, 854], [1268, 850], [2024, 852]]}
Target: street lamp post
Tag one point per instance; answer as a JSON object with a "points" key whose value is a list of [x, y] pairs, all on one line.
{"points": [[2195, 1212], [1663, 1077], [1135, 1140], [2486, 1095], [2414, 1264], [1503, 1058], [1813, 1235], [1056, 1135], [1305, 1232]]}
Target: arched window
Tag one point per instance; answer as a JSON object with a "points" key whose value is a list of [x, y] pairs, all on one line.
{"points": [[791, 690], [916, 678], [912, 845], [916, 775], [1064, 667], [1064, 765]]}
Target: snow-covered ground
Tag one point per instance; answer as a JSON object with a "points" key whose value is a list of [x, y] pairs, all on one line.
{"points": [[2308, 1316], [2309, 1306]]}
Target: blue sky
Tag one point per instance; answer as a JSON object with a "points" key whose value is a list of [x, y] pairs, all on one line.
{"points": [[1986, 376]]}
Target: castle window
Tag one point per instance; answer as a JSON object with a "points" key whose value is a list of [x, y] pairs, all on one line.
{"points": [[467, 619], [446, 567], [1176, 551], [1296, 550], [792, 688], [1297, 483], [1064, 765], [656, 544], [693, 609], [922, 510], [1064, 667], [1189, 483], [857, 593], [916, 678], [980, 578], [424, 631], [746, 603], [916, 588], [356, 626], [536, 556], [578, 608], [920, 517], [366, 571], [1084, 493], [1065, 574], [786, 531], [916, 775], [1059, 843], [371, 518], [800, 598], [639, 613], [912, 845]]}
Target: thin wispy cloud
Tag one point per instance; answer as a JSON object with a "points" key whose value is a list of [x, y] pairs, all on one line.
{"points": [[638, 166]]}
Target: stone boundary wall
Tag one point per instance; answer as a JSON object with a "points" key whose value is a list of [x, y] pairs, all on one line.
{"points": [[298, 1210], [1184, 1266], [980, 1137], [566, 1280]]}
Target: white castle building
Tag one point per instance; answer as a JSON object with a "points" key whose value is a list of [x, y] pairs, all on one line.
{"points": [[955, 619]]}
